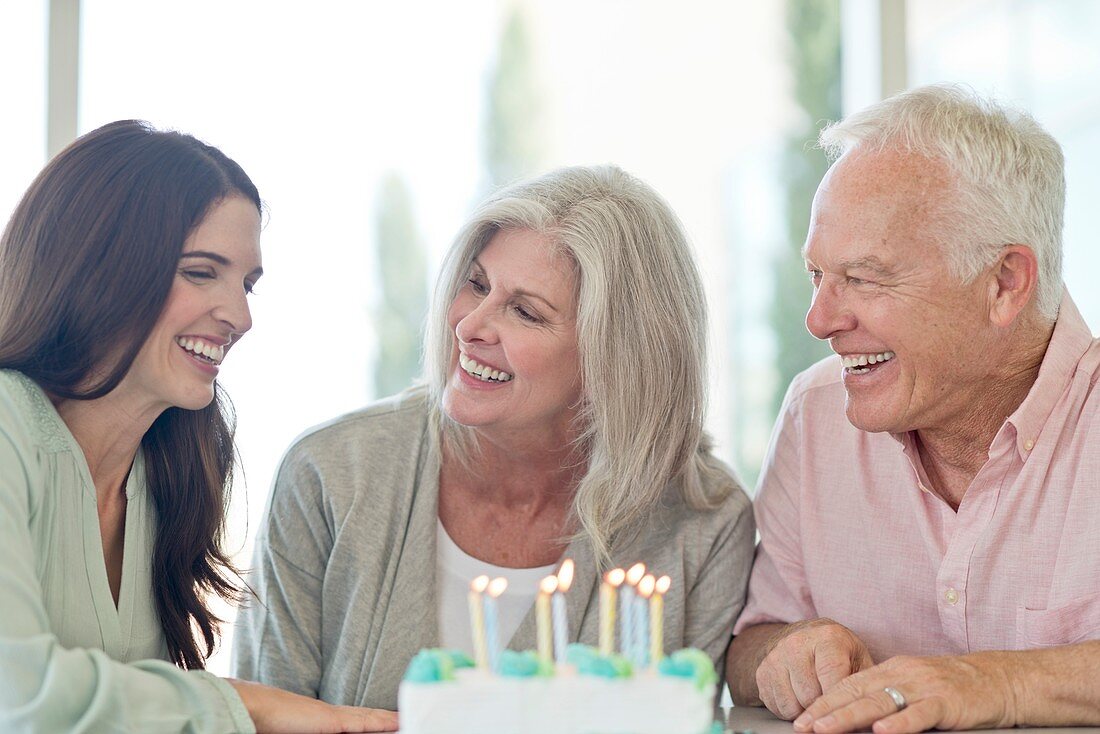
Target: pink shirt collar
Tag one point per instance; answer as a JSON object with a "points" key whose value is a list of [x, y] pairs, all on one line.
{"points": [[1069, 342]]}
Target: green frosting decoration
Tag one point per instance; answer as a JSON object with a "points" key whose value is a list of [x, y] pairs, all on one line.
{"points": [[623, 667], [524, 665], [435, 665], [690, 663], [588, 661], [460, 659]]}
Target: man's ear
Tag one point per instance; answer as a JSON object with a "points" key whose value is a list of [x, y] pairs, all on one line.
{"points": [[1013, 280]]}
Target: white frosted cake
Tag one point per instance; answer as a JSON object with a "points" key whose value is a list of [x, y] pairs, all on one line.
{"points": [[443, 693]]}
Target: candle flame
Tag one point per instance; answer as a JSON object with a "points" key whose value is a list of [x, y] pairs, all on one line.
{"points": [[565, 575], [662, 584], [497, 586], [549, 585], [615, 577], [634, 575], [479, 584], [645, 586]]}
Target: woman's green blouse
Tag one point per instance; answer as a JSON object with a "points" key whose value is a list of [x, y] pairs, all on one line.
{"points": [[69, 659]]}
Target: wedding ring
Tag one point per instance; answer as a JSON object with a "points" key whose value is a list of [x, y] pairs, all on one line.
{"points": [[895, 695]]}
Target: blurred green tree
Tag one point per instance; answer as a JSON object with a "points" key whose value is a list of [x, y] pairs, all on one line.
{"points": [[513, 141], [403, 293], [813, 28]]}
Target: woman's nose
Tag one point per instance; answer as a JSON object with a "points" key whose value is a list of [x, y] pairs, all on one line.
{"points": [[477, 325], [235, 312]]}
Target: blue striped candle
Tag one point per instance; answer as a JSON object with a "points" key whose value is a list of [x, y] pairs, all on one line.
{"points": [[641, 619], [630, 611], [561, 618]]}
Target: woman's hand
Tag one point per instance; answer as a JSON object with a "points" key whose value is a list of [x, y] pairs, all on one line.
{"points": [[275, 711]]}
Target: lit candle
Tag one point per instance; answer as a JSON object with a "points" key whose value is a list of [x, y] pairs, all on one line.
{"points": [[492, 624], [657, 620], [609, 592], [627, 642], [641, 620], [477, 621], [561, 618], [542, 617]]}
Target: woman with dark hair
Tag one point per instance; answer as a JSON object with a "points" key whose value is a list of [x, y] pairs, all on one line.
{"points": [[124, 273]]}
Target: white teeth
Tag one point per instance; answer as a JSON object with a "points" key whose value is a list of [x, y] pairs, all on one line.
{"points": [[858, 363], [213, 352], [485, 373]]}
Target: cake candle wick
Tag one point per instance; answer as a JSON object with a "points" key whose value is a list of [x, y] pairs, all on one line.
{"points": [[477, 621], [628, 642], [492, 623], [641, 619], [609, 596], [561, 617], [542, 618], [657, 621]]}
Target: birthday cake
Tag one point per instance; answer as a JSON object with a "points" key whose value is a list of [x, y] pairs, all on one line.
{"points": [[445, 693], [626, 688]]}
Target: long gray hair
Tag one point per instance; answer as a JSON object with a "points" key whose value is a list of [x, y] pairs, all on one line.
{"points": [[1010, 185], [641, 331]]}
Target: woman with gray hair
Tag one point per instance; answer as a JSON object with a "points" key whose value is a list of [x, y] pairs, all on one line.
{"points": [[563, 418]]}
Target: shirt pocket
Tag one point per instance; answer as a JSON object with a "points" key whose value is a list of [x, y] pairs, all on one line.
{"points": [[1076, 621]]}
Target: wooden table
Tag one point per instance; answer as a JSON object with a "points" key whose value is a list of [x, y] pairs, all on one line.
{"points": [[740, 719]]}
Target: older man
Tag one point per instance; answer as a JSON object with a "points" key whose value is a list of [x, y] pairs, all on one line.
{"points": [[929, 511]]}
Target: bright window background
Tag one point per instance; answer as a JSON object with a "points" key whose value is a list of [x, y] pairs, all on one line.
{"points": [[23, 90], [1042, 56]]}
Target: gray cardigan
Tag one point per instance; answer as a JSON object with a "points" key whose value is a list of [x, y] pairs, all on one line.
{"points": [[345, 564]]}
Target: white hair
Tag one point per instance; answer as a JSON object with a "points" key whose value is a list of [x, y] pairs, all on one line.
{"points": [[641, 332], [1009, 175]]}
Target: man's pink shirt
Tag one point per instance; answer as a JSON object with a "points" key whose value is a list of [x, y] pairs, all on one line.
{"points": [[849, 531]]}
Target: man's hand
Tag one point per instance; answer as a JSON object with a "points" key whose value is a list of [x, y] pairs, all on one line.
{"points": [[961, 692], [807, 659]]}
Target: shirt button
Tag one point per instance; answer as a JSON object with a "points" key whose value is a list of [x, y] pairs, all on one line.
{"points": [[951, 597], [1029, 445]]}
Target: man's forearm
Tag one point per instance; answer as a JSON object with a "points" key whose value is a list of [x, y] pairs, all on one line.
{"points": [[1057, 686], [745, 653]]}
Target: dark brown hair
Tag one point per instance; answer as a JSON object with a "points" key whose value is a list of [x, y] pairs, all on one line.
{"points": [[86, 264]]}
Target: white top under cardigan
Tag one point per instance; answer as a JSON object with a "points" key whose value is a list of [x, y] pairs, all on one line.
{"points": [[456, 570]]}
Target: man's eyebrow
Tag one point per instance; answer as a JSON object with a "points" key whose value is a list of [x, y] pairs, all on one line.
{"points": [[868, 262], [219, 259], [520, 291]]}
